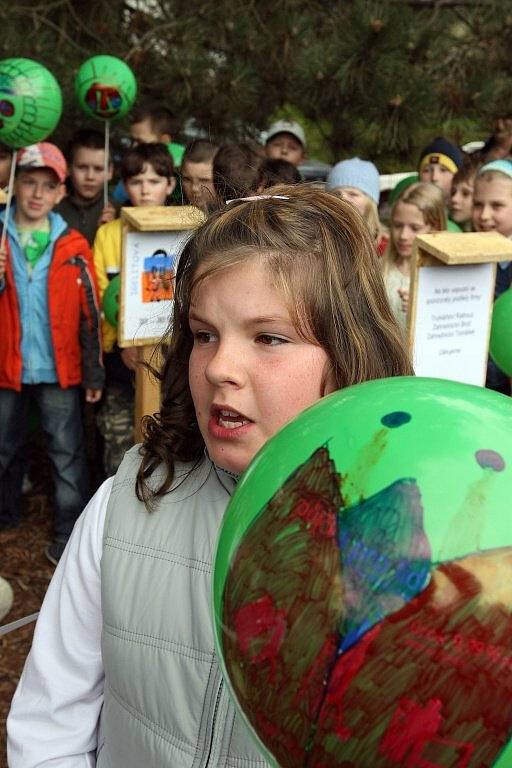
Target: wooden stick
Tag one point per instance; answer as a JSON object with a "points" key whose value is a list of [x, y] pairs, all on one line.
{"points": [[107, 163], [10, 190]]}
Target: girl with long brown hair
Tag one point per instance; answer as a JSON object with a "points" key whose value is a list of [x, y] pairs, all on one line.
{"points": [[279, 301]]}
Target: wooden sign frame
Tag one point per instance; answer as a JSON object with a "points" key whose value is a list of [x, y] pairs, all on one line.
{"points": [[448, 249], [152, 220]]}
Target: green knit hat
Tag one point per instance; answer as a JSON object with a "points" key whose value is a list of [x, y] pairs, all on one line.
{"points": [[399, 188]]}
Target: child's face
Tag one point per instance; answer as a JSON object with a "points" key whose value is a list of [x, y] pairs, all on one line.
{"points": [[354, 196], [249, 371], [197, 180], [37, 192], [407, 222], [461, 203], [492, 206], [441, 176], [144, 133], [148, 188], [87, 172], [284, 146]]}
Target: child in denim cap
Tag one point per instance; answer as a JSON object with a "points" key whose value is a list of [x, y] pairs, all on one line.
{"points": [[50, 340]]}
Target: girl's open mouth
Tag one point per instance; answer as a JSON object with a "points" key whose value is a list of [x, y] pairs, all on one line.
{"points": [[231, 419], [227, 423]]}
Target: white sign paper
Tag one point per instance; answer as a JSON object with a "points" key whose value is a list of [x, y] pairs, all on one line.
{"points": [[452, 322], [149, 267]]}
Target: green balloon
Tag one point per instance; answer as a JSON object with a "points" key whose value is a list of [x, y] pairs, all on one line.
{"points": [[111, 301], [500, 346], [363, 580], [105, 87], [30, 102]]}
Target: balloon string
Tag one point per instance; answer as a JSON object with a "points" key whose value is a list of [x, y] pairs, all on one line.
{"points": [[10, 190], [107, 163]]}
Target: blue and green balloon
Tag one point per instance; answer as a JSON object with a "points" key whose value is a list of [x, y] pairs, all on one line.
{"points": [[30, 102]]}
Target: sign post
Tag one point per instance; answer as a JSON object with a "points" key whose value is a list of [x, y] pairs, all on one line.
{"points": [[451, 301], [152, 241]]}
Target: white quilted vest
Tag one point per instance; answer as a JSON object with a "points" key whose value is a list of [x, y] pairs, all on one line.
{"points": [[165, 701]]}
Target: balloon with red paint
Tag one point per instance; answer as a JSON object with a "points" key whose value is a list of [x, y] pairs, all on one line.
{"points": [[105, 87], [363, 581]]}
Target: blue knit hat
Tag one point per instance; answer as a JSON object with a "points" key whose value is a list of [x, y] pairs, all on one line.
{"points": [[357, 173], [503, 166]]}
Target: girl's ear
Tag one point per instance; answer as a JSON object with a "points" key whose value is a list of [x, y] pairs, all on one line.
{"points": [[171, 185]]}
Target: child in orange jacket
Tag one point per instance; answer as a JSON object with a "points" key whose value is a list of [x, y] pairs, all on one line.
{"points": [[50, 342]]}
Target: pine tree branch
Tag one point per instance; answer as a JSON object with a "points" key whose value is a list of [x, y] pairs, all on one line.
{"points": [[445, 3]]}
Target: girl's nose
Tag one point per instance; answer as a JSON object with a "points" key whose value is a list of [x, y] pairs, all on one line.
{"points": [[224, 367]]}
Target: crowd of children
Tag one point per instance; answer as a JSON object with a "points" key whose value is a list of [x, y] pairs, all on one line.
{"points": [[64, 247], [287, 292]]}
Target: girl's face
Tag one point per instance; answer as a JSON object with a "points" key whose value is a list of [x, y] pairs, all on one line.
{"points": [[407, 222], [249, 372], [354, 196], [148, 188], [492, 206], [461, 203]]}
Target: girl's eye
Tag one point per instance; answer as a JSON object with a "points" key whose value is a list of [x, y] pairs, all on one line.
{"points": [[270, 341], [203, 337]]}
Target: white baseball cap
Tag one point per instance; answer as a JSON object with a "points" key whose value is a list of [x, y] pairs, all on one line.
{"points": [[287, 126]]}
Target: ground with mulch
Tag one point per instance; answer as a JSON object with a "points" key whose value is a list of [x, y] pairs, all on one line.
{"points": [[24, 565]]}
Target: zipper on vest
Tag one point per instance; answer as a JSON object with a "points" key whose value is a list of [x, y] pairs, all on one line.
{"points": [[212, 732]]}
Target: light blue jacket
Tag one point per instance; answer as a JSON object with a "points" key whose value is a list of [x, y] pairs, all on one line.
{"points": [[32, 292]]}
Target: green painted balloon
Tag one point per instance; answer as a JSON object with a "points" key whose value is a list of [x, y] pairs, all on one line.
{"points": [[500, 346], [30, 102], [336, 538], [111, 301], [105, 87]]}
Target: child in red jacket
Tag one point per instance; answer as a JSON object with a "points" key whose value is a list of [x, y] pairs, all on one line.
{"points": [[50, 341]]}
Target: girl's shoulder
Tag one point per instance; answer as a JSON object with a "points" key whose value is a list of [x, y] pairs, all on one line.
{"points": [[188, 476]]}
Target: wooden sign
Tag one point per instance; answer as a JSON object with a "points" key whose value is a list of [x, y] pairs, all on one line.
{"points": [[152, 241], [450, 303]]}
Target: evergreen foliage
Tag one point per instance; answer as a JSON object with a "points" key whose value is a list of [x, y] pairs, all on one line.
{"points": [[377, 78]]}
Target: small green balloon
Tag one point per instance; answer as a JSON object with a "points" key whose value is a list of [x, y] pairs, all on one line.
{"points": [[500, 346], [30, 102], [111, 301], [105, 87]]}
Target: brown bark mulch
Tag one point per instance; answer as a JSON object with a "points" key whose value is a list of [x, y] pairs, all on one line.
{"points": [[24, 565]]}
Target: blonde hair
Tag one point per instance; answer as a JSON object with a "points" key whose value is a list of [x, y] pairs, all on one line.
{"points": [[373, 222], [319, 254], [492, 175], [370, 215], [428, 199]]}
